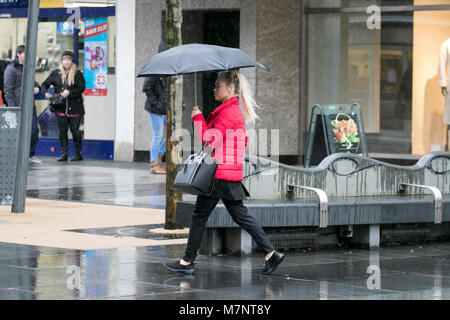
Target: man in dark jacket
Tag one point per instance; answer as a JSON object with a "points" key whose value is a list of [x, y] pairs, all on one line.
{"points": [[156, 90], [13, 88]]}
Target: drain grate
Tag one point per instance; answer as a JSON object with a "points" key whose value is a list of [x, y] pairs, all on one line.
{"points": [[293, 237], [413, 233]]}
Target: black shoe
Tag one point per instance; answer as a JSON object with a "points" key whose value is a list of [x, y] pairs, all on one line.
{"points": [[78, 157], [272, 264], [176, 266], [63, 158]]}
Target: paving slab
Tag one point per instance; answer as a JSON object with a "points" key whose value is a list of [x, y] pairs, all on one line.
{"points": [[85, 236]]}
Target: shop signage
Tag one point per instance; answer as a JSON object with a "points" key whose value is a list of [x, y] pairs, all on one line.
{"points": [[51, 4], [24, 4], [95, 56], [335, 129], [13, 3]]}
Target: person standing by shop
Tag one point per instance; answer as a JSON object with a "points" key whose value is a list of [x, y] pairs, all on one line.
{"points": [[156, 90], [13, 87], [226, 126], [3, 66], [69, 82]]}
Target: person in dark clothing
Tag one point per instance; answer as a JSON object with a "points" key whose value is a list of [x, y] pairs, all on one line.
{"points": [[13, 89], [69, 82], [156, 90], [3, 65], [226, 126]]}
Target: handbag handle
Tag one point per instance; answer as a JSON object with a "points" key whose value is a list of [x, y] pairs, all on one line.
{"points": [[205, 146], [206, 143]]}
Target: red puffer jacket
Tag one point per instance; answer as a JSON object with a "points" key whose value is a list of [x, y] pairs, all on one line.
{"points": [[226, 128]]}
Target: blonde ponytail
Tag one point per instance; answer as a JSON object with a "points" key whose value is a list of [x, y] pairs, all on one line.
{"points": [[248, 102], [242, 89]]}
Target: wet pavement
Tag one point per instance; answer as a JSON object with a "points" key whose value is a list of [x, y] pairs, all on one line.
{"points": [[417, 271], [101, 182], [407, 272]]}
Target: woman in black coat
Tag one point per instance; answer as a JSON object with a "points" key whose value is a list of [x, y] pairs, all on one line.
{"points": [[69, 82]]}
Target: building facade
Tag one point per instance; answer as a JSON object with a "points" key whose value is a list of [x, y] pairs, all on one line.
{"points": [[382, 54]]}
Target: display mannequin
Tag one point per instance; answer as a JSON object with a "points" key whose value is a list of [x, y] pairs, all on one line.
{"points": [[444, 76]]}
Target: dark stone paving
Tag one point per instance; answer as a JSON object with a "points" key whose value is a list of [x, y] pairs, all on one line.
{"points": [[406, 272], [101, 182], [418, 271]]}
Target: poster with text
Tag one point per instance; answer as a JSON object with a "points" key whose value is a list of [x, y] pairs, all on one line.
{"points": [[95, 56]]}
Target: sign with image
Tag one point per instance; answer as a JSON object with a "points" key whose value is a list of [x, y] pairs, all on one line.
{"points": [[345, 133], [95, 56], [335, 129]]}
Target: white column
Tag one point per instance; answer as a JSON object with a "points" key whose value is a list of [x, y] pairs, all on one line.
{"points": [[125, 79]]}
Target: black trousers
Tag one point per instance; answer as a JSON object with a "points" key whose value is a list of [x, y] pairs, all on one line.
{"points": [[64, 124], [203, 209], [34, 133]]}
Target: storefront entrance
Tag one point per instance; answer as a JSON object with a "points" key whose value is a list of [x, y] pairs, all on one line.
{"points": [[56, 33]]}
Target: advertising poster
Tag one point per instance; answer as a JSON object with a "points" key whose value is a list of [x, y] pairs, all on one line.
{"points": [[335, 129], [345, 132], [95, 56]]}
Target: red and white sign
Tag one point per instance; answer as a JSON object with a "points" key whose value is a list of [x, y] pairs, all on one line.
{"points": [[96, 30]]}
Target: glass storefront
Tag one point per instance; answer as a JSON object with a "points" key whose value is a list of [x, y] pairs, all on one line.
{"points": [[56, 34], [385, 59]]}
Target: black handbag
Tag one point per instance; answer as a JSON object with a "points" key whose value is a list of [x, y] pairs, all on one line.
{"points": [[196, 175], [56, 101]]}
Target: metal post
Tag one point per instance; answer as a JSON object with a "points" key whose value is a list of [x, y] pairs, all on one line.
{"points": [[26, 104], [75, 43]]}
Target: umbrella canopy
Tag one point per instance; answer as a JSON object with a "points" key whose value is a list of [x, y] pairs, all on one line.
{"points": [[193, 58]]}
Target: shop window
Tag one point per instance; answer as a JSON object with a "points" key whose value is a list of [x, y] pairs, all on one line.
{"points": [[391, 71]]}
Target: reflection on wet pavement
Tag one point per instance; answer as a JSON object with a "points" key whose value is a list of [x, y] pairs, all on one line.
{"points": [[407, 272], [140, 231], [102, 182], [419, 271]]}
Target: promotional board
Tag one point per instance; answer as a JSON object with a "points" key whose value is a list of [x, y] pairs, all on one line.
{"points": [[95, 56], [335, 129]]}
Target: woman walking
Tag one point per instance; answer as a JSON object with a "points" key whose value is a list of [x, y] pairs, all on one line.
{"points": [[226, 126], [69, 82]]}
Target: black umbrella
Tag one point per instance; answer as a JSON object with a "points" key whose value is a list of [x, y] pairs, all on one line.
{"points": [[193, 58]]}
